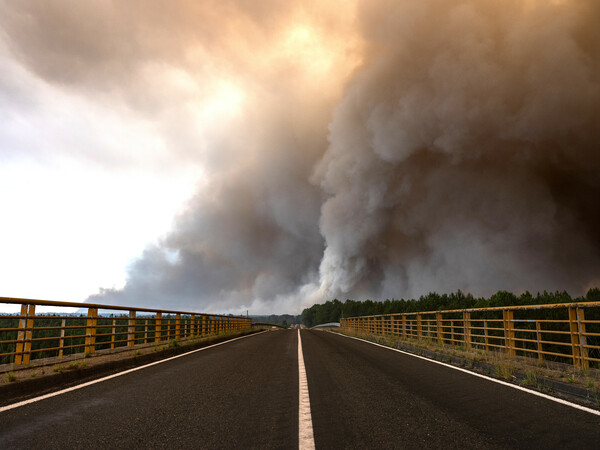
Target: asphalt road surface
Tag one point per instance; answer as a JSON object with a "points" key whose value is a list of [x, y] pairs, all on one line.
{"points": [[364, 396], [244, 394]]}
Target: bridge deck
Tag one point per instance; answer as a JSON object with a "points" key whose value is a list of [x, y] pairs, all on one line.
{"points": [[244, 394]]}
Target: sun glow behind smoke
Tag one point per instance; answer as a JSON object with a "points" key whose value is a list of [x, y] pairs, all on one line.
{"points": [[307, 48]]}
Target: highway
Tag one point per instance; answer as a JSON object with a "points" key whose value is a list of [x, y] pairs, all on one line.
{"points": [[245, 394]]}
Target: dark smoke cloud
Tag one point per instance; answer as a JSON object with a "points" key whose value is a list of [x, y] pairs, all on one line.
{"points": [[462, 153], [465, 154]]}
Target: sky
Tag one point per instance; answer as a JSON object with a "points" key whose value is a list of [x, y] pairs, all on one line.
{"points": [[265, 156]]}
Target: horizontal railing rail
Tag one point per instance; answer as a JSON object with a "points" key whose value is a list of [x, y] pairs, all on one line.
{"points": [[30, 335], [563, 332]]}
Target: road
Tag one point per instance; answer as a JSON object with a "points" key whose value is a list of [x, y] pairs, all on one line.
{"points": [[244, 394], [363, 396]]}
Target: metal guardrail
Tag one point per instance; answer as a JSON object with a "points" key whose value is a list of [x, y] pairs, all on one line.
{"points": [[27, 336], [326, 325], [560, 332]]}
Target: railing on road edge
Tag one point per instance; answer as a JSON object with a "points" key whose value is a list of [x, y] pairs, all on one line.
{"points": [[559, 332], [56, 334]]}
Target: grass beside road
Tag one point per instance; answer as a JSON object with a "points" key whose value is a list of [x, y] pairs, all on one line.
{"points": [[545, 376]]}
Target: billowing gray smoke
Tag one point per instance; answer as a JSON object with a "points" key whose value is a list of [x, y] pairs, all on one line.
{"points": [[462, 152], [466, 153]]}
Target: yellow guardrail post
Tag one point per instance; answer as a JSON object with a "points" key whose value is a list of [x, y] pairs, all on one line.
{"points": [[485, 334], [467, 326], [90, 331], [583, 351], [131, 329], [452, 331], [61, 342], [538, 335], [113, 334], [574, 337], [29, 334], [509, 334], [21, 335], [193, 326], [440, 331], [403, 327], [578, 341], [157, 326], [419, 326], [24, 335], [392, 326], [177, 326], [146, 331], [203, 325]]}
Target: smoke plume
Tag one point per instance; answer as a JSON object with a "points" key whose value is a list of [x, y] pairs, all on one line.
{"points": [[378, 149]]}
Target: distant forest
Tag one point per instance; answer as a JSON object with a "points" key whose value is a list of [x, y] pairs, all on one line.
{"points": [[333, 310], [284, 320]]}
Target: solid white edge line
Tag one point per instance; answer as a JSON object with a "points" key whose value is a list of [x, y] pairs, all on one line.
{"points": [[125, 372], [306, 438], [475, 374]]}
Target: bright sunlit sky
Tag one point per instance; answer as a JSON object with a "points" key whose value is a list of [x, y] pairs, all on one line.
{"points": [[104, 138]]}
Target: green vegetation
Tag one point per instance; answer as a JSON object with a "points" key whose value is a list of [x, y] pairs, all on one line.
{"points": [[283, 320], [10, 377], [531, 378], [333, 310]]}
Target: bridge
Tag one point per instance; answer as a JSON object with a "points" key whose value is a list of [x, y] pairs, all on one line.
{"points": [[293, 388]]}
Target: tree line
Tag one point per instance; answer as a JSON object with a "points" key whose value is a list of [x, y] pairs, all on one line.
{"points": [[333, 310]]}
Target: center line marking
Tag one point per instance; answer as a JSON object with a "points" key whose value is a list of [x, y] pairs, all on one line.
{"points": [[306, 438]]}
